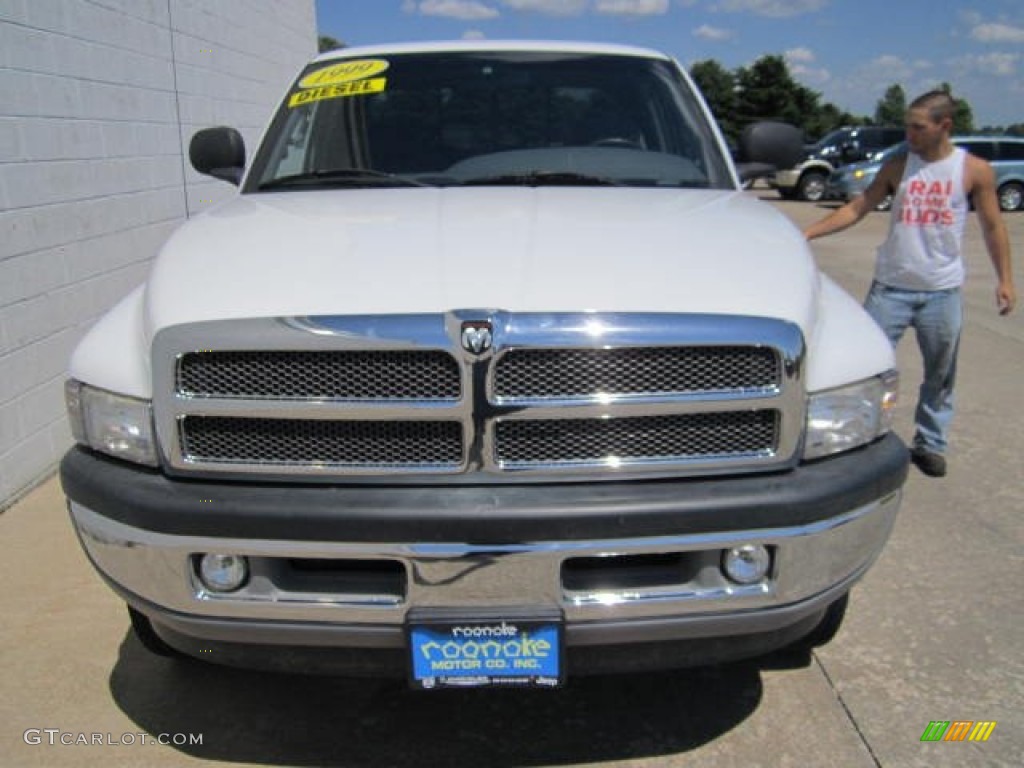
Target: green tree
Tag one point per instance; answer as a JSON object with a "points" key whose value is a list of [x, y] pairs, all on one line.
{"points": [[767, 91], [891, 108], [719, 88], [829, 117], [328, 43]]}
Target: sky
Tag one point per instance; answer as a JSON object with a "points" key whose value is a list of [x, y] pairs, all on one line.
{"points": [[849, 51]]}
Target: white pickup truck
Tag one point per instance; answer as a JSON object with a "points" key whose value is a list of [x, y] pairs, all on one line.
{"points": [[490, 374]]}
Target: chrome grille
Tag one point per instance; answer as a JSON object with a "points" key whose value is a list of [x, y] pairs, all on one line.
{"points": [[558, 396], [571, 373], [346, 443], [649, 438], [320, 375]]}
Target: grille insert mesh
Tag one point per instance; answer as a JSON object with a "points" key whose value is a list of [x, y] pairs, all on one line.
{"points": [[651, 438], [219, 439], [568, 373], [320, 375]]}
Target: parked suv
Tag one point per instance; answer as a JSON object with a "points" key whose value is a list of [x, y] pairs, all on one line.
{"points": [[491, 373], [1005, 153], [807, 180]]}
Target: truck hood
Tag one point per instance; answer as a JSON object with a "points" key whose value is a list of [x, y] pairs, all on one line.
{"points": [[421, 250]]}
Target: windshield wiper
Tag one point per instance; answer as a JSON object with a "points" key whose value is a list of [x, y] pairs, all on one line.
{"points": [[349, 177], [543, 179]]}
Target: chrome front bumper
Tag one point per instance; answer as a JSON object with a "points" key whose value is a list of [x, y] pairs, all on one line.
{"points": [[812, 565]]}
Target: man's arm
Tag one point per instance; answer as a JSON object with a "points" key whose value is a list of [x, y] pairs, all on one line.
{"points": [[981, 185], [884, 183]]}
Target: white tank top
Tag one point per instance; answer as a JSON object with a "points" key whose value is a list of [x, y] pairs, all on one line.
{"points": [[923, 249]]}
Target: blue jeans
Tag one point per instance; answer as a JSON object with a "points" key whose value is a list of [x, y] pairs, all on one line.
{"points": [[936, 317]]}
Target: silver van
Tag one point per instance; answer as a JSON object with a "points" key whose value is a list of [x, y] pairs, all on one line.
{"points": [[1005, 153]]}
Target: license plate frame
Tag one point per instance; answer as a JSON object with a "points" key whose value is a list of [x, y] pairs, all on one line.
{"points": [[502, 649]]}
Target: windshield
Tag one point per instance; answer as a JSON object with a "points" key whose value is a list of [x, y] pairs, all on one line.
{"points": [[480, 118], [830, 141]]}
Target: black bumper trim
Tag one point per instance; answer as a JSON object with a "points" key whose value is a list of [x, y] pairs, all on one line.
{"points": [[147, 499]]}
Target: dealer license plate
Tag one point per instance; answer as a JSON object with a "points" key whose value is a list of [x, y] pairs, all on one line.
{"points": [[510, 652]]}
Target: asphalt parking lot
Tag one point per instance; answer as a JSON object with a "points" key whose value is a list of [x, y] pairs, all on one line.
{"points": [[934, 632]]}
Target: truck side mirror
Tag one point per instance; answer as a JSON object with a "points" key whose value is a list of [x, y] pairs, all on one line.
{"points": [[768, 144], [218, 152]]}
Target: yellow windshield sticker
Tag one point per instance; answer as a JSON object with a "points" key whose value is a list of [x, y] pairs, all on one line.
{"points": [[354, 88], [343, 72]]}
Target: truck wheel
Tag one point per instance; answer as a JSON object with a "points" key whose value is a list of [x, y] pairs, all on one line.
{"points": [[1010, 196], [151, 641], [828, 626], [812, 187]]}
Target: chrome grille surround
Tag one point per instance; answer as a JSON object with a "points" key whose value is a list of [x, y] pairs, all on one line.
{"points": [[652, 394]]}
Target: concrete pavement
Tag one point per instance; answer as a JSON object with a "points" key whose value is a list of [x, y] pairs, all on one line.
{"points": [[934, 632]]}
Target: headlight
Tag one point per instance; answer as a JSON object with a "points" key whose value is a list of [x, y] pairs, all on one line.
{"points": [[848, 417], [113, 424], [859, 174]]}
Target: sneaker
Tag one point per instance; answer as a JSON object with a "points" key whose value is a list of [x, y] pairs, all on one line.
{"points": [[932, 464]]}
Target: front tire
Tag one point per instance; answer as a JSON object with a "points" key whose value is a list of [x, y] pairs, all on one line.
{"points": [[812, 187], [1011, 196]]}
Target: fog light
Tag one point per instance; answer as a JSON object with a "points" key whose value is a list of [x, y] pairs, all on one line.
{"points": [[223, 573], [746, 564]]}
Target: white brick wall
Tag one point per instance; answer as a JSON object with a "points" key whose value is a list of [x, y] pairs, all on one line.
{"points": [[100, 100]]}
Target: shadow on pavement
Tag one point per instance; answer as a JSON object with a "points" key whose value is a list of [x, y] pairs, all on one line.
{"points": [[276, 718]]}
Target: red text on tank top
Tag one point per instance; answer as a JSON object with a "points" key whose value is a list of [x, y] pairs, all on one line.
{"points": [[926, 203]]}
